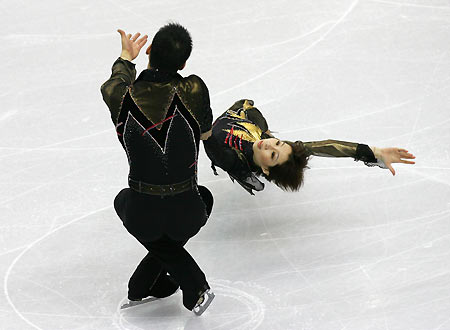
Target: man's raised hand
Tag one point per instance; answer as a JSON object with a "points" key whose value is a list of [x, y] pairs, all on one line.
{"points": [[131, 45]]}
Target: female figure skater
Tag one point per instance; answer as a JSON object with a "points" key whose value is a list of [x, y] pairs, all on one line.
{"points": [[243, 146]]}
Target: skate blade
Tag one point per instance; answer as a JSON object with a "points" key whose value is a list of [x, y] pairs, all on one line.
{"points": [[132, 303], [209, 296]]}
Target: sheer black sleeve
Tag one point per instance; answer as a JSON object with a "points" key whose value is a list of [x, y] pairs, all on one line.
{"points": [[114, 89]]}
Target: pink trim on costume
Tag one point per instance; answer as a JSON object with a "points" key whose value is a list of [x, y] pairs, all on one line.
{"points": [[231, 136], [153, 126]]}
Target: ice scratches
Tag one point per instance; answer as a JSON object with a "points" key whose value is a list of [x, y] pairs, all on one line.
{"points": [[367, 114], [249, 318], [8, 114], [59, 149], [119, 320], [324, 200], [287, 41], [442, 324], [406, 4], [380, 260], [22, 39], [44, 147], [419, 171], [297, 271], [250, 309], [66, 299], [55, 181], [303, 51], [419, 113], [414, 131], [12, 250], [30, 246]]}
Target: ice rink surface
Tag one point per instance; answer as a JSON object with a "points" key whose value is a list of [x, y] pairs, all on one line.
{"points": [[355, 249]]}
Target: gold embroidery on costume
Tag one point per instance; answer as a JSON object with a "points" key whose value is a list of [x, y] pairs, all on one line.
{"points": [[155, 108], [249, 131], [189, 93], [247, 105], [253, 129], [240, 115], [239, 133]]}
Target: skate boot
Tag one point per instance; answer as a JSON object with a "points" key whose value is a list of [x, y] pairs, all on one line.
{"points": [[203, 302], [164, 287]]}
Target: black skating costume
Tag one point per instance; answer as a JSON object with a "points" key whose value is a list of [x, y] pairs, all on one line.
{"points": [[159, 118], [235, 131]]}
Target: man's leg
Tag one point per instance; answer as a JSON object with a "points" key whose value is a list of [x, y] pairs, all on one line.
{"points": [[182, 267], [150, 279]]}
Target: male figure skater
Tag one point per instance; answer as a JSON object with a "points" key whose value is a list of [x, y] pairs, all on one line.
{"points": [[160, 118]]}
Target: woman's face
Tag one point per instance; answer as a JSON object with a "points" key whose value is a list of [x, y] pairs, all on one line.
{"points": [[270, 152]]}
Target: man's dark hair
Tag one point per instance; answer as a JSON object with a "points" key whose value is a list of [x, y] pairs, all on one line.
{"points": [[289, 175], [171, 47]]}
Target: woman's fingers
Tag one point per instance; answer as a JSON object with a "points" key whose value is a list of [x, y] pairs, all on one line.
{"points": [[391, 168], [409, 156], [404, 154], [406, 162]]}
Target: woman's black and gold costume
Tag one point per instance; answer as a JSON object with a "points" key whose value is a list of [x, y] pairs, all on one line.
{"points": [[235, 131]]}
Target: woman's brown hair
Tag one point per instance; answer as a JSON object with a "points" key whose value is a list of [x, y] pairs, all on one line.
{"points": [[289, 175]]}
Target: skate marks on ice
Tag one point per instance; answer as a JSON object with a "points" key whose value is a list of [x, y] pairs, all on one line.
{"points": [[251, 316], [29, 247], [312, 45], [236, 306]]}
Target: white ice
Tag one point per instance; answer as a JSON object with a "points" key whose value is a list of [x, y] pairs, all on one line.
{"points": [[356, 248]]}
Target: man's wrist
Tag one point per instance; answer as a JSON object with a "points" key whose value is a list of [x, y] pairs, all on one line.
{"points": [[126, 56]]}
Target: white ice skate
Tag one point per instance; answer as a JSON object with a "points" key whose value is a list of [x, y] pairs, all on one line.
{"points": [[203, 303], [132, 303]]}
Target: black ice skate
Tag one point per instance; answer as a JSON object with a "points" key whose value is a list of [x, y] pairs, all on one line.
{"points": [[203, 302]]}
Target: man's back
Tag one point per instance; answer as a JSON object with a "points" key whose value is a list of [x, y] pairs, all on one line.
{"points": [[159, 119]]}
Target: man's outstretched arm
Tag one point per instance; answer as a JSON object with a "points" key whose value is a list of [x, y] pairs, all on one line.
{"points": [[114, 89], [123, 73]]}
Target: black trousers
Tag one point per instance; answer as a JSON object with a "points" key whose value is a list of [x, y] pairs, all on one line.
{"points": [[167, 265]]}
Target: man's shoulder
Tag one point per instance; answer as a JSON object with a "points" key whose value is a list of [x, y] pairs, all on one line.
{"points": [[193, 82]]}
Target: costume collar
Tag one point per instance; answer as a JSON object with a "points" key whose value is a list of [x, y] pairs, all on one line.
{"points": [[158, 76]]}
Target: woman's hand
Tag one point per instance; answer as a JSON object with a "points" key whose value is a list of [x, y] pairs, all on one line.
{"points": [[131, 46], [393, 155]]}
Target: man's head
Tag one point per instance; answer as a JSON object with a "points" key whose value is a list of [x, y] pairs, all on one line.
{"points": [[170, 48]]}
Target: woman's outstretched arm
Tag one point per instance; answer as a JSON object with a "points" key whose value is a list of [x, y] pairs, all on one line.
{"points": [[371, 156]]}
